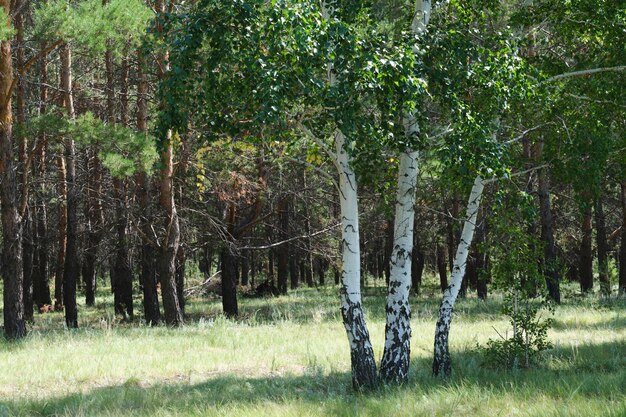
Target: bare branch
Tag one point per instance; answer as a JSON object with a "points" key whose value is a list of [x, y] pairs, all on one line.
{"points": [[582, 73], [273, 245]]}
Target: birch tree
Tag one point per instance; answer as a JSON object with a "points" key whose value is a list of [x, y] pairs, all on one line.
{"points": [[311, 68], [441, 359], [490, 79], [396, 356]]}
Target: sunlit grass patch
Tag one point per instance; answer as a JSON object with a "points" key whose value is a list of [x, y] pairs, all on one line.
{"points": [[288, 356]]}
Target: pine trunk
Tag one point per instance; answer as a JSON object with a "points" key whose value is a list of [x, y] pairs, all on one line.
{"points": [[169, 247], [12, 267], [586, 252], [181, 259], [282, 251], [148, 273], [441, 360], [171, 241], [417, 263], [24, 171], [247, 267], [550, 268], [603, 249], [123, 273], [229, 283], [60, 265], [41, 287], [95, 223], [442, 267], [622, 250], [71, 269]]}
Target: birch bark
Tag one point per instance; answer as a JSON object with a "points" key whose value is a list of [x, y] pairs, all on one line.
{"points": [[441, 360], [361, 351], [363, 364], [394, 366]]}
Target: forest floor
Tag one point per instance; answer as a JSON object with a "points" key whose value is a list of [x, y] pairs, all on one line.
{"points": [[288, 356]]}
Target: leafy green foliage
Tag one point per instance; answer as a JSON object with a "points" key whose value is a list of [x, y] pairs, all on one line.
{"points": [[242, 69], [516, 272], [586, 143], [477, 77]]}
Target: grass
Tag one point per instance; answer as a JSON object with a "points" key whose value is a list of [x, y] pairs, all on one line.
{"points": [[288, 356]]}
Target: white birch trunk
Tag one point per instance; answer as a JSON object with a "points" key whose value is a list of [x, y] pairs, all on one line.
{"points": [[361, 351], [394, 365], [441, 360], [364, 375]]}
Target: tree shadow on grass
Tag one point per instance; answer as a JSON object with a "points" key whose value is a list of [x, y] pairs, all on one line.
{"points": [[587, 371], [583, 369]]}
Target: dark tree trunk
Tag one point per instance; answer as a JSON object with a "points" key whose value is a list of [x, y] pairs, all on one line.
{"points": [[481, 284], [294, 271], [181, 260], [270, 266], [550, 267], [622, 250], [123, 289], [308, 263], [167, 272], [388, 249], [453, 235], [60, 265], [380, 264], [452, 231], [95, 222], [12, 271], [71, 270], [283, 249], [417, 263], [253, 267], [586, 254], [171, 239], [28, 254], [245, 268], [205, 264], [442, 267], [480, 257], [603, 249], [303, 275], [41, 288], [471, 272], [322, 266], [123, 273], [12, 266], [167, 277], [229, 283], [24, 171], [148, 272]]}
